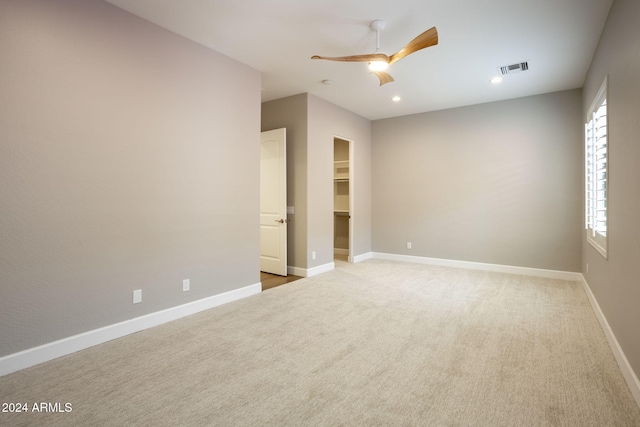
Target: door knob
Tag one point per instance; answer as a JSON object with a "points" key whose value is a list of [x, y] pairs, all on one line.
{"points": [[281, 221]]}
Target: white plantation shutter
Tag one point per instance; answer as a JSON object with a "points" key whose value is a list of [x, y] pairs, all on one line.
{"points": [[596, 172]]}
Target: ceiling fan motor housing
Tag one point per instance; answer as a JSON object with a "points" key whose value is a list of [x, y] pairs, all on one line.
{"points": [[377, 25]]}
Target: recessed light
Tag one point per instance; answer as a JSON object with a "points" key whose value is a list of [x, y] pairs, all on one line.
{"points": [[327, 82], [496, 80], [396, 99]]}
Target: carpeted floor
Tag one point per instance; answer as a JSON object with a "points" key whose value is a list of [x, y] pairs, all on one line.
{"points": [[378, 343]]}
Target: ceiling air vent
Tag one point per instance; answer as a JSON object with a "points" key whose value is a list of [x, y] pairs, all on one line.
{"points": [[514, 68]]}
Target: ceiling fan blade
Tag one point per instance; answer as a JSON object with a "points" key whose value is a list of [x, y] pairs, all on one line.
{"points": [[426, 39], [355, 58], [384, 77]]}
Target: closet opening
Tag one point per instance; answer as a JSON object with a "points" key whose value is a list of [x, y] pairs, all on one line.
{"points": [[342, 199]]}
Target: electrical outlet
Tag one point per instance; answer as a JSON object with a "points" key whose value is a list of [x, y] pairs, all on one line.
{"points": [[186, 285], [408, 245], [137, 296], [313, 254]]}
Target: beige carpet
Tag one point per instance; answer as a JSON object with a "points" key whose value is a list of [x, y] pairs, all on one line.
{"points": [[378, 343]]}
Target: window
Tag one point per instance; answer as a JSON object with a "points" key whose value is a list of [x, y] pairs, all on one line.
{"points": [[596, 171]]}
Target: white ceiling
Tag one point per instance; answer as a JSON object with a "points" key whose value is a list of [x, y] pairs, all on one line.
{"points": [[278, 37]]}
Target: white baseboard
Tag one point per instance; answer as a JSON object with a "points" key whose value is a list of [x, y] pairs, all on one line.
{"points": [[297, 271], [321, 269], [43, 353], [627, 371], [524, 271], [362, 257], [308, 272]]}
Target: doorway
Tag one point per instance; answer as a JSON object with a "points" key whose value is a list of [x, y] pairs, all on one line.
{"points": [[273, 202], [270, 281], [342, 199]]}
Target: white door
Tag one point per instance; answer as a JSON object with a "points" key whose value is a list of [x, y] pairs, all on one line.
{"points": [[273, 202]]}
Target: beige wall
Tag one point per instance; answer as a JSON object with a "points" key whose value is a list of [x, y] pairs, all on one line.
{"points": [[495, 183], [129, 159], [615, 281]]}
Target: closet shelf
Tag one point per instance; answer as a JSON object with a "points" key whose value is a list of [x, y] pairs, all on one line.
{"points": [[341, 170]]}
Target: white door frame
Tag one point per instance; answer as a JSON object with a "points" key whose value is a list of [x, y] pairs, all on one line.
{"points": [[351, 193]]}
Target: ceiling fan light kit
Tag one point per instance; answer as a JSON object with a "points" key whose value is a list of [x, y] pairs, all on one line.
{"points": [[378, 65], [379, 62]]}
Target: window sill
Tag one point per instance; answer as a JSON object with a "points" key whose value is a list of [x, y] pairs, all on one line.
{"points": [[602, 249]]}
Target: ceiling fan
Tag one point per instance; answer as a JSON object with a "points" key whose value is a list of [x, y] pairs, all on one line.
{"points": [[379, 62]]}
